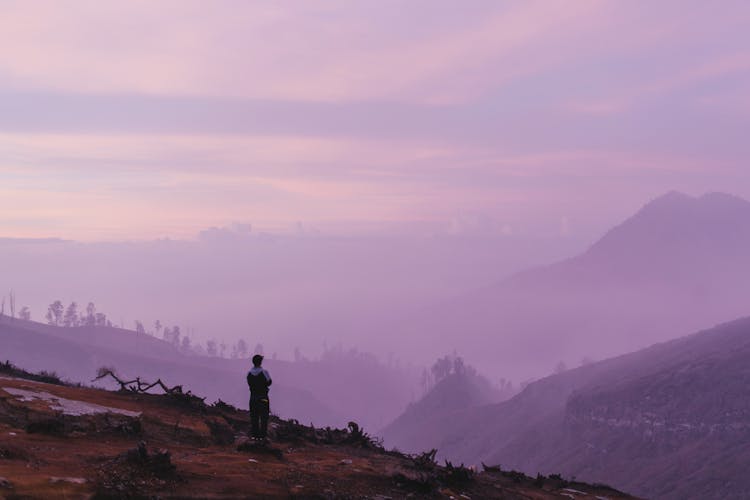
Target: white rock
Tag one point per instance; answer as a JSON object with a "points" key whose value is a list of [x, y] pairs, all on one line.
{"points": [[67, 406], [73, 480]]}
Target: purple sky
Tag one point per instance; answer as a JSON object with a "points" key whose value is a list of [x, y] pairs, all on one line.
{"points": [[137, 119]]}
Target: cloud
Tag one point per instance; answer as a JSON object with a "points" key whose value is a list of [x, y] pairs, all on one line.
{"points": [[161, 119], [424, 51], [341, 51]]}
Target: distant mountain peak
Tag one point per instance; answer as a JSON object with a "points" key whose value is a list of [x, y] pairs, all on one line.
{"points": [[679, 200], [670, 200], [676, 218], [674, 195]]}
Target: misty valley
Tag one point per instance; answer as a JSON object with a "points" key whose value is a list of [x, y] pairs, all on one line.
{"points": [[604, 370]]}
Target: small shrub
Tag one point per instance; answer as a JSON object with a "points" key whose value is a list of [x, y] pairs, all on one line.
{"points": [[426, 460], [457, 476], [47, 377], [51, 426], [491, 468]]}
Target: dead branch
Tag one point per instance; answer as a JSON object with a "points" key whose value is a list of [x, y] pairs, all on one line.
{"points": [[139, 386]]}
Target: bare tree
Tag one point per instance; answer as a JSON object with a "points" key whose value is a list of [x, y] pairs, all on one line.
{"points": [[211, 348], [458, 365], [90, 314], [441, 369], [71, 315], [55, 313], [25, 313], [12, 300], [425, 380], [176, 336], [139, 327], [157, 327], [241, 348]]}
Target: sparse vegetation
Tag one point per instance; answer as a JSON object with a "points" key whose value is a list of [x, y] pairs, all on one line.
{"points": [[175, 444], [8, 368], [135, 473], [139, 386]]}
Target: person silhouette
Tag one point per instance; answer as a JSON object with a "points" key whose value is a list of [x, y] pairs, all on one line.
{"points": [[259, 380]]}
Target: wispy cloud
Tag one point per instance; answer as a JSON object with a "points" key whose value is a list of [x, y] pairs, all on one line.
{"points": [[179, 115]]}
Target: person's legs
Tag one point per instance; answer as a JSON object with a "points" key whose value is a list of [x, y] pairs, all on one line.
{"points": [[255, 418], [264, 411]]}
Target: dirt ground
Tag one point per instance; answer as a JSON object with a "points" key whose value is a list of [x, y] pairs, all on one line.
{"points": [[54, 444]]}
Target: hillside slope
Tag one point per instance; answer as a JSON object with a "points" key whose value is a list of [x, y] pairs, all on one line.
{"points": [[415, 430], [677, 265], [325, 391], [61, 350], [72, 442], [670, 421]]}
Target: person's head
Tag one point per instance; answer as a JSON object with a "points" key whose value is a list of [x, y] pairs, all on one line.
{"points": [[257, 360]]}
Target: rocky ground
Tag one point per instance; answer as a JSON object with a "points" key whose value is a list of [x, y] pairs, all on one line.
{"points": [[62, 441]]}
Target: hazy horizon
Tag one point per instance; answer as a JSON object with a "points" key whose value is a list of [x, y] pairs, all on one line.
{"points": [[300, 293]]}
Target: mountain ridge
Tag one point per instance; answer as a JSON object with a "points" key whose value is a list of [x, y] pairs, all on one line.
{"points": [[627, 420]]}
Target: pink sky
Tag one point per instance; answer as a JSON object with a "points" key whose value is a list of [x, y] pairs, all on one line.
{"points": [[140, 120]]}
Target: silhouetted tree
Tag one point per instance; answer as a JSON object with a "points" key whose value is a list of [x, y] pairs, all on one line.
{"points": [[441, 369], [12, 300], [505, 385], [458, 365], [139, 327], [176, 336], [211, 348], [55, 313], [425, 380], [222, 349], [185, 343], [241, 348], [25, 313], [90, 314], [561, 367], [100, 319], [71, 315], [157, 327]]}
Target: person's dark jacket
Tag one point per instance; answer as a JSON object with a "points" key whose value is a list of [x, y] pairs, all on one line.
{"points": [[259, 381]]}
